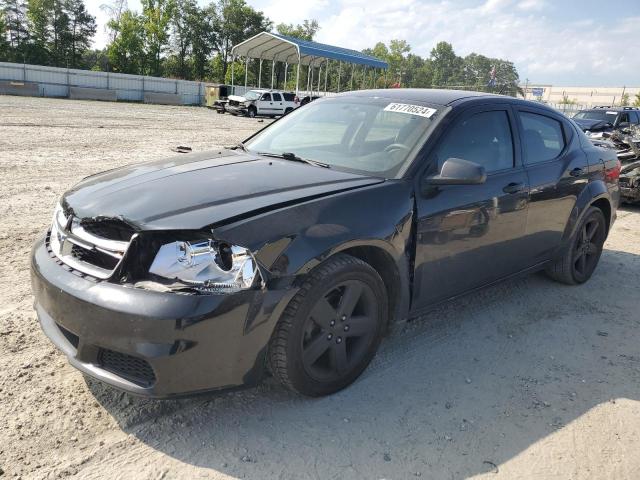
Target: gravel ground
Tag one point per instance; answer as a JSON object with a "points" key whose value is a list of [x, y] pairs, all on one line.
{"points": [[530, 379]]}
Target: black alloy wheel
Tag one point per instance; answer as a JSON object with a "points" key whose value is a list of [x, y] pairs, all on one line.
{"points": [[339, 330], [331, 329], [588, 248], [579, 259]]}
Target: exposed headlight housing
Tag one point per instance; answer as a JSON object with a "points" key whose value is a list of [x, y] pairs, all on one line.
{"points": [[591, 134], [207, 266]]}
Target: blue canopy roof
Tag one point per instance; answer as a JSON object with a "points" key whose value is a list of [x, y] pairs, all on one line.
{"points": [[282, 48]]}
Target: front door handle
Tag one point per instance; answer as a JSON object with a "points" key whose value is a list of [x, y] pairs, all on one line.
{"points": [[576, 172], [514, 188]]}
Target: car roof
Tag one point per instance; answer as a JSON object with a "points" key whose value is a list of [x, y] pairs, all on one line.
{"points": [[611, 109], [427, 95]]}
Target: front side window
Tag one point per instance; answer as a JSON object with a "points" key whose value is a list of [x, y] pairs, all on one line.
{"points": [[374, 136], [483, 138], [266, 97], [542, 137]]}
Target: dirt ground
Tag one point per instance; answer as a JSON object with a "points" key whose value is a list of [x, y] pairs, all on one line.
{"points": [[527, 380]]}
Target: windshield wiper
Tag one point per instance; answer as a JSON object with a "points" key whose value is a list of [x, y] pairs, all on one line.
{"points": [[294, 158]]}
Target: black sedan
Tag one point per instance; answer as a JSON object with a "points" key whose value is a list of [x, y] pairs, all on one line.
{"points": [[294, 251]]}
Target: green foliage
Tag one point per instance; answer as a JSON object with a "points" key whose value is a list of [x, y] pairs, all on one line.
{"points": [[306, 31], [625, 100], [566, 100], [156, 17], [636, 102], [4, 43], [127, 52], [235, 22]]}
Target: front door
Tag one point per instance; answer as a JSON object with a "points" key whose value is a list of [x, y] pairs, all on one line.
{"points": [[265, 104], [471, 235], [278, 105]]}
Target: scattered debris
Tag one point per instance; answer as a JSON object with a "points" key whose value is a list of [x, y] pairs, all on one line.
{"points": [[387, 457], [603, 333], [182, 149], [494, 467]]}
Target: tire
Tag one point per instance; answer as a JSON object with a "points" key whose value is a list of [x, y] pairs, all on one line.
{"points": [[252, 112], [288, 110], [331, 329], [580, 257]]}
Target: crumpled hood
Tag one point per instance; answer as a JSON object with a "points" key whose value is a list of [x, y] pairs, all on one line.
{"points": [[587, 124], [237, 98], [196, 190]]}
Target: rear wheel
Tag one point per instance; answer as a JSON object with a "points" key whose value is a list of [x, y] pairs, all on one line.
{"points": [[581, 257], [331, 329]]}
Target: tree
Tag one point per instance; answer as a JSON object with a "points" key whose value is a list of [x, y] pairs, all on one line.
{"points": [[624, 99], [16, 24], [447, 66], [236, 21], [636, 102], [306, 31], [156, 16], [4, 43], [203, 39], [127, 53], [38, 13], [114, 11], [82, 28]]}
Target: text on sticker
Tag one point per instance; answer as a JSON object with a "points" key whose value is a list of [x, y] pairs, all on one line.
{"points": [[410, 109]]}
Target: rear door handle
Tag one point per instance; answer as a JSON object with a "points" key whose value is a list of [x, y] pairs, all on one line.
{"points": [[576, 172], [514, 188]]}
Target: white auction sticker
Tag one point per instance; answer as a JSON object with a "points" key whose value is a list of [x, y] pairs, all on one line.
{"points": [[410, 109]]}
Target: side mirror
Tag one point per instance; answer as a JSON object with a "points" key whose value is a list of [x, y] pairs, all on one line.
{"points": [[456, 171]]}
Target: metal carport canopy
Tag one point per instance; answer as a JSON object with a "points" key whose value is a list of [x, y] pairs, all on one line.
{"points": [[282, 48]]}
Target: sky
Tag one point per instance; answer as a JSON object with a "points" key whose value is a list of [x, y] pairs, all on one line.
{"points": [[561, 42]]}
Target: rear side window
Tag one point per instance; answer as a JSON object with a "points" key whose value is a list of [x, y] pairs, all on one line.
{"points": [[289, 97], [276, 97], [542, 137], [634, 117], [483, 138]]}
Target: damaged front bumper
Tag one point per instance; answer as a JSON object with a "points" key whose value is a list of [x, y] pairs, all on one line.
{"points": [[156, 344]]}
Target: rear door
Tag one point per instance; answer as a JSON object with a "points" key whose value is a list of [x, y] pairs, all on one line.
{"points": [[558, 171], [472, 235]]}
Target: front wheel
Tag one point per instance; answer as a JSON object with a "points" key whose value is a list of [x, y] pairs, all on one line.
{"points": [[580, 258], [252, 112], [331, 329]]}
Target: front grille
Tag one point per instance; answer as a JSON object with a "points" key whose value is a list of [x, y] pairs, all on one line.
{"points": [[109, 228], [234, 103], [131, 368], [94, 257], [92, 247]]}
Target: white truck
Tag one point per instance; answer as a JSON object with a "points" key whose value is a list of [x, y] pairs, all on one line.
{"points": [[262, 102]]}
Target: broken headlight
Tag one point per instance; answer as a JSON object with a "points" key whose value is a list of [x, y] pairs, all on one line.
{"points": [[206, 266]]}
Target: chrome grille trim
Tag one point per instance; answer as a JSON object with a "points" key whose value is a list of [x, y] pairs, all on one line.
{"points": [[67, 232]]}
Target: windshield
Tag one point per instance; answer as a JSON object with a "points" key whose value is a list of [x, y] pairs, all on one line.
{"points": [[373, 136], [252, 95], [600, 115]]}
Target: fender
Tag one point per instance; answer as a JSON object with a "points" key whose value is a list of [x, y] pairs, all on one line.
{"points": [[595, 191], [288, 243]]}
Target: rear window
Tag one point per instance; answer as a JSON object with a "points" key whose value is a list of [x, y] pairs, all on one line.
{"points": [[289, 97], [542, 137]]}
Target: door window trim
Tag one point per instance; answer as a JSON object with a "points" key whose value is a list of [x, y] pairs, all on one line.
{"points": [[563, 128], [468, 112]]}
